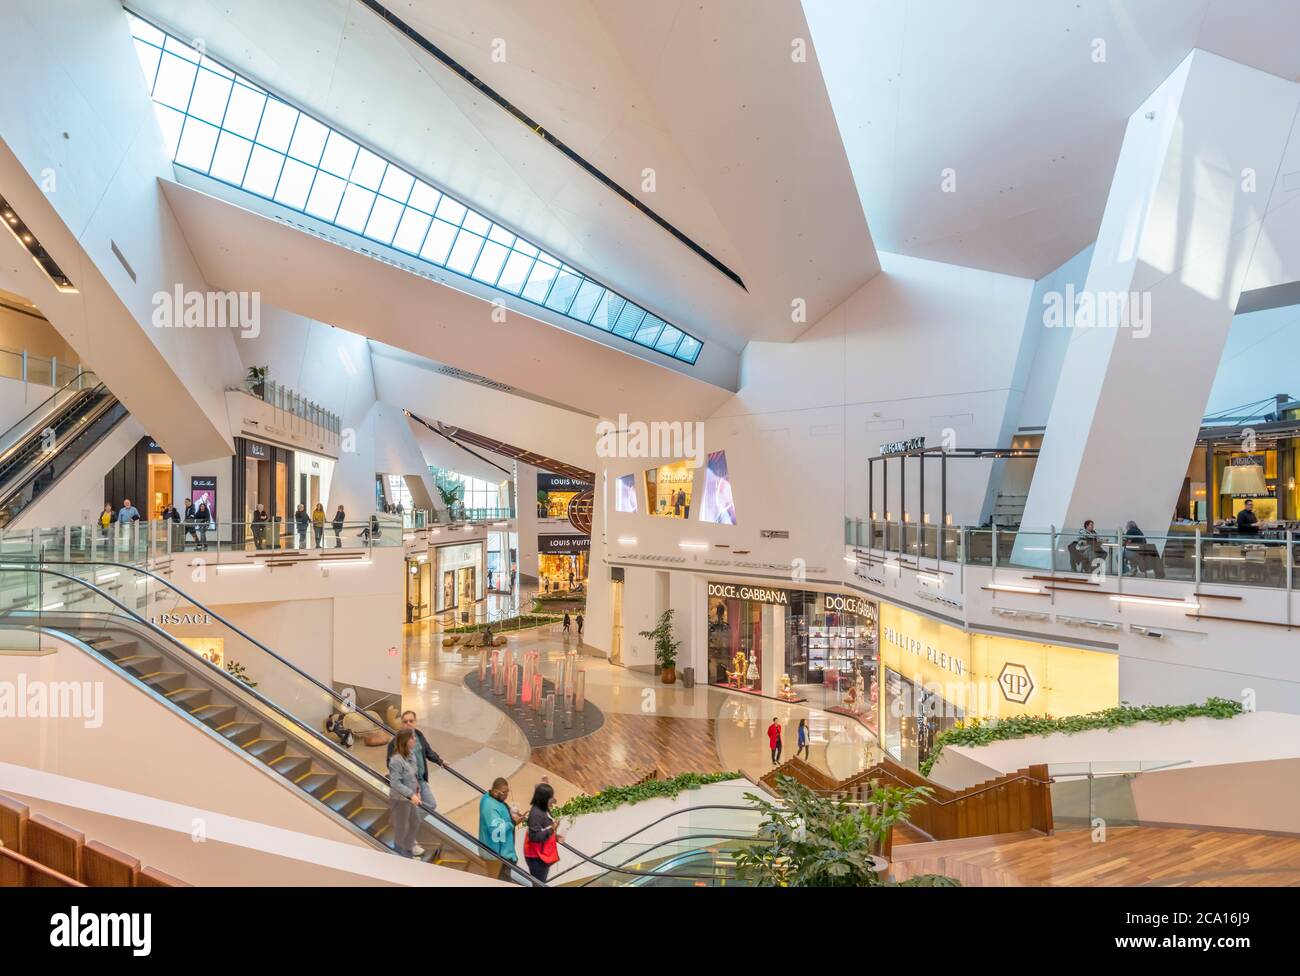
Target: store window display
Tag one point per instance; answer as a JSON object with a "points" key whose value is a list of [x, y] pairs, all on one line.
{"points": [[668, 490], [736, 629], [832, 654]]}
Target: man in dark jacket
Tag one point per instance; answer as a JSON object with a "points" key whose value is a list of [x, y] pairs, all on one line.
{"points": [[188, 518], [423, 751], [339, 518]]}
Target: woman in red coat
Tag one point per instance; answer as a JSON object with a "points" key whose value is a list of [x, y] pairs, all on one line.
{"points": [[774, 739]]}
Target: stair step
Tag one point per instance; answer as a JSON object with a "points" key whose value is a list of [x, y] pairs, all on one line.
{"points": [[241, 733], [343, 802], [292, 767], [371, 819], [267, 750], [319, 784], [215, 715], [165, 681], [190, 698], [135, 663]]}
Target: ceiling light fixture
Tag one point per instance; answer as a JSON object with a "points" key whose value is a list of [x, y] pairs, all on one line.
{"points": [[24, 236]]}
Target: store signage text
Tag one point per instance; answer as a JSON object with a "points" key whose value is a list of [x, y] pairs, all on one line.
{"points": [[563, 543], [936, 656], [849, 604], [759, 594], [181, 618], [902, 447]]}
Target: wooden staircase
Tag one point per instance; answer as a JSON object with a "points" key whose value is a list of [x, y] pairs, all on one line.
{"points": [[1009, 804]]}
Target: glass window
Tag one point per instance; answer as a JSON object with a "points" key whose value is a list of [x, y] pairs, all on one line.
{"points": [[231, 158], [216, 122]]}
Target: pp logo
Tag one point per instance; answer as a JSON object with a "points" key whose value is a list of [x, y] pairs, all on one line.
{"points": [[1015, 682]]}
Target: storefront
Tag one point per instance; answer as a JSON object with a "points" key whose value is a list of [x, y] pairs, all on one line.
{"points": [[263, 475], [562, 562], [144, 475], [555, 492], [419, 588], [502, 561], [1255, 462], [460, 582], [936, 675], [668, 490], [795, 645]]}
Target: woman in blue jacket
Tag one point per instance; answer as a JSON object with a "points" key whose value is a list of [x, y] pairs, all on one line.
{"points": [[496, 822]]}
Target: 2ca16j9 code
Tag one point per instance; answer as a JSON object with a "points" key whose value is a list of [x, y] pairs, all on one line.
{"points": [[1222, 918]]}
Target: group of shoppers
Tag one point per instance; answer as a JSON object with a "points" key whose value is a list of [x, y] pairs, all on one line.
{"points": [[409, 794], [568, 624], [196, 519], [775, 743]]}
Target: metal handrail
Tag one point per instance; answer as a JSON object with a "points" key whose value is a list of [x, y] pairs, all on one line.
{"points": [[621, 869], [473, 842], [79, 379]]}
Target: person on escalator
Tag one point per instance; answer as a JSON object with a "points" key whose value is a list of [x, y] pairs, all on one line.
{"points": [[423, 754], [497, 822], [404, 793], [541, 843]]}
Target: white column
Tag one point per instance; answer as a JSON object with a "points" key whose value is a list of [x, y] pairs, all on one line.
{"points": [[1198, 165]]}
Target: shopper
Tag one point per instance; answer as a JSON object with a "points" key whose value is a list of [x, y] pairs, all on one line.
{"points": [[497, 822], [1247, 520], [128, 513], [774, 739], [300, 522], [541, 843], [172, 521], [570, 580], [802, 735], [188, 517], [404, 794], [339, 519], [202, 519], [318, 525], [579, 625], [105, 519], [566, 623], [1085, 549], [260, 520]]}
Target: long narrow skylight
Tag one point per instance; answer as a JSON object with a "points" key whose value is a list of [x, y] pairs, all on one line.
{"points": [[220, 124]]}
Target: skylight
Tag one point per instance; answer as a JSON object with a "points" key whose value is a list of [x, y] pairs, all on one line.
{"points": [[220, 124]]}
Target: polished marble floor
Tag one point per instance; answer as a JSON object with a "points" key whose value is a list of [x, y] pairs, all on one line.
{"points": [[649, 727]]}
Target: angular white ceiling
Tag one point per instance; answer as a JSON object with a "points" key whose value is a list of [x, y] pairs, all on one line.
{"points": [[740, 135], [1013, 97]]}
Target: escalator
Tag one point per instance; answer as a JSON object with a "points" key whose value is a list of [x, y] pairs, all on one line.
{"points": [[38, 450], [276, 714], [276, 718]]}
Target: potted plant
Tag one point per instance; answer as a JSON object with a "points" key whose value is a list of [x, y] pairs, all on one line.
{"points": [[808, 840], [661, 635], [256, 381], [450, 499]]}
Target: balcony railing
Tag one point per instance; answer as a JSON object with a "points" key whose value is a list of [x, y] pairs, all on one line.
{"points": [[282, 398], [1266, 560]]}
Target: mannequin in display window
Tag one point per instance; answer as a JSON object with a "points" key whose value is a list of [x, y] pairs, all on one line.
{"points": [[736, 676], [751, 673]]}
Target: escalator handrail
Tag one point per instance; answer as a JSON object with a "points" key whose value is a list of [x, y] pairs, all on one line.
{"points": [[132, 567], [79, 378], [463, 835], [652, 823], [21, 479], [335, 747], [705, 835]]}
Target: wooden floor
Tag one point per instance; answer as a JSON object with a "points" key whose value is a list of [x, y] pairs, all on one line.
{"points": [[1130, 856], [627, 747]]}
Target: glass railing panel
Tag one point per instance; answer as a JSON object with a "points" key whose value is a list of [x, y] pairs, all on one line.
{"points": [[1246, 561], [44, 412]]}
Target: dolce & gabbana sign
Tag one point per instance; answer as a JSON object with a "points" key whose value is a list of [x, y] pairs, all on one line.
{"points": [[847, 603], [759, 594]]}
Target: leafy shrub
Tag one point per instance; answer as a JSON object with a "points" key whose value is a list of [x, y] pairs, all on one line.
{"points": [[981, 732], [617, 796]]}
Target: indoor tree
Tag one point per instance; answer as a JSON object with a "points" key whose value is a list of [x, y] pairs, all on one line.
{"points": [[809, 840], [661, 636]]}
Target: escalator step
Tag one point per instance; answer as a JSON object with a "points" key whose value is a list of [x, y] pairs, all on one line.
{"points": [[241, 733], [214, 715], [165, 681], [267, 750], [292, 767], [190, 698], [372, 820], [343, 802], [318, 784]]}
